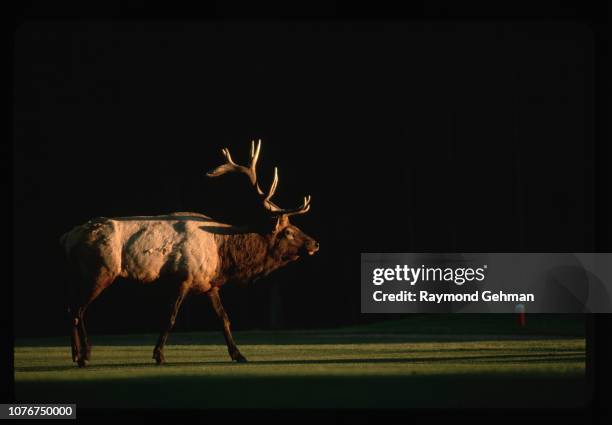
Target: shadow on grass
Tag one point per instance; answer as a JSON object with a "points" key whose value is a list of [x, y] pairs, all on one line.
{"points": [[270, 338], [204, 392], [523, 358], [416, 328]]}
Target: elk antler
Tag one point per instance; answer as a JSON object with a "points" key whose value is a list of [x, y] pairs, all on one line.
{"points": [[276, 211], [231, 166], [251, 173]]}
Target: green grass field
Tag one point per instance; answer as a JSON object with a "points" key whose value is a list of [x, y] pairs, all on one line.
{"points": [[413, 362]]}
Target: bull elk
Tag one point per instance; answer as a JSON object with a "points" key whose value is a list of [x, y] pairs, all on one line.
{"points": [[187, 252]]}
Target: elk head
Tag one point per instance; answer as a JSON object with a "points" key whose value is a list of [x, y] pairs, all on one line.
{"points": [[287, 241]]}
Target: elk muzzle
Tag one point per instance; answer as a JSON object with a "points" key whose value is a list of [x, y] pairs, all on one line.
{"points": [[311, 246]]}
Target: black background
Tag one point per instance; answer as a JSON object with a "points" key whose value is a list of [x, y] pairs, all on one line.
{"points": [[410, 136], [447, 112]]}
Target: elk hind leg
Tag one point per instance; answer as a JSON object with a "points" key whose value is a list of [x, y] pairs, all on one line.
{"points": [[79, 331], [74, 336]]}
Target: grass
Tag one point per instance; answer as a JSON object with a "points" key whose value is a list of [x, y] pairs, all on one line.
{"points": [[377, 365]]}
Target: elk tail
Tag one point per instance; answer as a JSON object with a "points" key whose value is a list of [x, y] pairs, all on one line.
{"points": [[63, 239], [70, 291]]}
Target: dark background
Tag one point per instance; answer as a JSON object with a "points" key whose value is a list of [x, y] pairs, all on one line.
{"points": [[410, 136]]}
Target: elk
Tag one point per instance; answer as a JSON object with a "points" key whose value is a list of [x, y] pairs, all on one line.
{"points": [[187, 252]]}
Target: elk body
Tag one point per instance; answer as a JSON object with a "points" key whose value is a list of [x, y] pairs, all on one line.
{"points": [[186, 252]]}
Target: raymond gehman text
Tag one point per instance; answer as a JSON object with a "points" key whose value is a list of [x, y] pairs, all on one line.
{"points": [[425, 296]]}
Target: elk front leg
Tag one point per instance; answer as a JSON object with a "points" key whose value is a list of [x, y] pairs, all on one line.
{"points": [[158, 351], [215, 299]]}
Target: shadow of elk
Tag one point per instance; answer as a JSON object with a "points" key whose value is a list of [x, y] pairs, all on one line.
{"points": [[187, 252]]}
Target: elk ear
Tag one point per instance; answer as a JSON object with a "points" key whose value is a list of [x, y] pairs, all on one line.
{"points": [[281, 222]]}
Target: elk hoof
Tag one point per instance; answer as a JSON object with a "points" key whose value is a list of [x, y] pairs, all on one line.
{"points": [[82, 362], [239, 358], [159, 358]]}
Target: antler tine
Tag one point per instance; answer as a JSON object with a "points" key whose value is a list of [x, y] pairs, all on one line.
{"points": [[228, 156], [254, 153], [273, 185]]}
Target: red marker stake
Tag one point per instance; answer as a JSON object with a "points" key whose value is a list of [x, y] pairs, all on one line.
{"points": [[520, 310]]}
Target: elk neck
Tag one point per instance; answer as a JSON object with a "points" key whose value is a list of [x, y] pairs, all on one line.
{"points": [[245, 257]]}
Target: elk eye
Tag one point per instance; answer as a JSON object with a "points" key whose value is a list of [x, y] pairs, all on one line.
{"points": [[288, 234]]}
